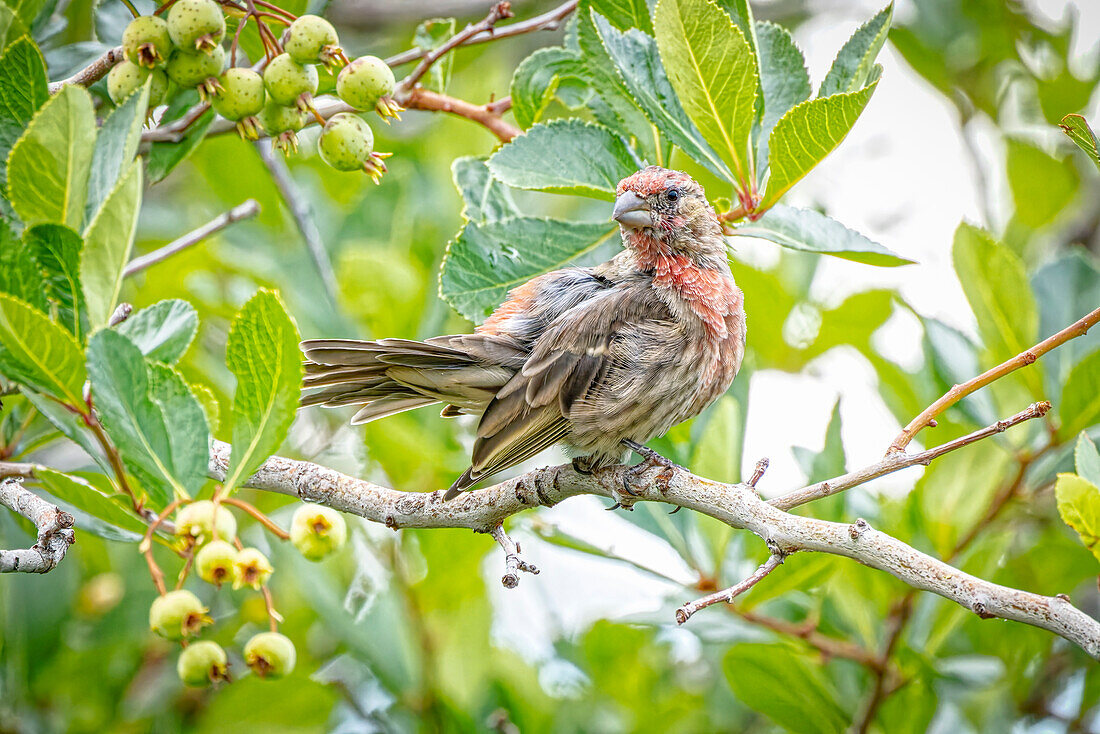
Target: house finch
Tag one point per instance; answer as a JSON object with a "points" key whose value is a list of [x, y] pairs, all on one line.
{"points": [[599, 359]]}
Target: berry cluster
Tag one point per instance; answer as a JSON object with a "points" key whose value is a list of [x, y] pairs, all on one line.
{"points": [[184, 50], [204, 530]]}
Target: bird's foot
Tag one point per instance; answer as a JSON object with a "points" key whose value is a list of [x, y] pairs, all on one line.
{"points": [[580, 465], [650, 458]]}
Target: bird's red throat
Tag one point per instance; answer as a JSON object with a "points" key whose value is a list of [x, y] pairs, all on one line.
{"points": [[710, 294]]}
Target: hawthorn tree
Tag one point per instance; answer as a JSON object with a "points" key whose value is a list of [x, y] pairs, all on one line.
{"points": [[117, 424]]}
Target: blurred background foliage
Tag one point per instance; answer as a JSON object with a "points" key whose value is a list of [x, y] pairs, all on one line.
{"points": [[411, 630]]}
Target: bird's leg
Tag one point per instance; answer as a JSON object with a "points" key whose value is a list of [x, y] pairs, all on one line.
{"points": [[650, 457], [581, 466]]}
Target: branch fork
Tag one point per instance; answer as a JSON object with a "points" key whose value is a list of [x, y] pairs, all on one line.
{"points": [[513, 561], [775, 560], [55, 530]]}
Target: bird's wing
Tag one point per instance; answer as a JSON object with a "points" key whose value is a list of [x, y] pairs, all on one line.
{"points": [[531, 412]]}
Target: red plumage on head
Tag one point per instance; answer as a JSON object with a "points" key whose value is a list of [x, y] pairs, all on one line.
{"points": [[653, 180]]}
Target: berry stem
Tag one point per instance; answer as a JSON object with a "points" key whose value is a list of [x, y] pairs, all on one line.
{"points": [[263, 519], [130, 6], [146, 546], [290, 16]]}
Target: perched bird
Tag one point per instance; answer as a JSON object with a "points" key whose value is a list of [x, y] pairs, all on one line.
{"points": [[599, 359]]}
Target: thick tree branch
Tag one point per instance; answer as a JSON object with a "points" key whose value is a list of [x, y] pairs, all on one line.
{"points": [[55, 530], [736, 505], [93, 72], [958, 392], [245, 210]]}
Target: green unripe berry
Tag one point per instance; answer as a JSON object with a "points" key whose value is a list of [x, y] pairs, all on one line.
{"points": [[365, 81], [178, 614], [312, 39], [241, 94], [270, 655], [196, 25], [251, 569], [216, 562], [345, 143], [289, 82], [197, 70], [281, 122], [317, 531], [197, 520], [202, 663], [127, 77], [146, 41]]}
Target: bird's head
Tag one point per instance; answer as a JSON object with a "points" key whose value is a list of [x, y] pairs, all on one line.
{"points": [[666, 213]]}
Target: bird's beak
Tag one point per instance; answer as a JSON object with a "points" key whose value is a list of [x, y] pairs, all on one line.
{"points": [[632, 211]]}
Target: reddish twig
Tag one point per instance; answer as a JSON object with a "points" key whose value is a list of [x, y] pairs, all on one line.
{"points": [[423, 99], [263, 519], [958, 392], [498, 12]]}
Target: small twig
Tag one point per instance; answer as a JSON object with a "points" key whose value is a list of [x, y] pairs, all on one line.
{"points": [[758, 472], [188, 561], [93, 72], [55, 530], [896, 462], [302, 213], [498, 12], [424, 99], [549, 21], [121, 313], [18, 469], [513, 562], [829, 647], [146, 546], [247, 210], [174, 131], [775, 560], [958, 392], [263, 519]]}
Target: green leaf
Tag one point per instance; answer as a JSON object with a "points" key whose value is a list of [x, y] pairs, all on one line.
{"points": [[625, 14], [38, 353], [19, 273], [854, 67], [71, 425], [789, 688], [1082, 135], [1041, 185], [56, 249], [806, 134], [995, 284], [713, 71], [536, 81], [429, 35], [262, 352], [484, 198], [1066, 289], [107, 506], [1079, 505], [565, 157], [638, 61], [486, 260], [812, 231], [613, 104], [830, 461], [163, 157], [11, 27], [784, 81], [22, 91], [152, 417], [1080, 405], [115, 147], [718, 453], [162, 331], [107, 243], [1087, 459], [48, 166]]}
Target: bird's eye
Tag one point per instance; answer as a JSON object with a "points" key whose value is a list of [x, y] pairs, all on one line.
{"points": [[674, 195]]}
